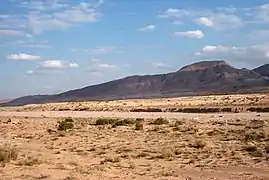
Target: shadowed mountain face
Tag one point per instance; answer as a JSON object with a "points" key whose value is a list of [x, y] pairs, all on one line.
{"points": [[263, 70], [207, 77]]}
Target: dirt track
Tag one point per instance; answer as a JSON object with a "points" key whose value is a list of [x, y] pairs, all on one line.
{"points": [[85, 114]]}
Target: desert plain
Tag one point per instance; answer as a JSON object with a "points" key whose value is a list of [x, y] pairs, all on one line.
{"points": [[187, 138]]}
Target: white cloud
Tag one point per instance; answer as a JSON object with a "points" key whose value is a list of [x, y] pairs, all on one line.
{"points": [[225, 21], [11, 33], [160, 65], [30, 72], [262, 13], [103, 50], [191, 34], [29, 43], [56, 64], [171, 12], [101, 68], [147, 28], [39, 24], [219, 18], [255, 54], [39, 16], [22, 57], [73, 65], [205, 21]]}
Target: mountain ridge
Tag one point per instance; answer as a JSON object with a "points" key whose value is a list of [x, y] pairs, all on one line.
{"points": [[200, 78]]}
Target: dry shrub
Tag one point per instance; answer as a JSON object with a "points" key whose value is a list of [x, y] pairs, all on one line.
{"points": [[139, 126], [199, 144], [267, 148], [105, 121], [124, 122], [8, 153], [146, 110], [159, 121], [30, 161], [65, 124]]}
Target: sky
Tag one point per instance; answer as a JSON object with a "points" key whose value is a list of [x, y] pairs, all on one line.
{"points": [[51, 46]]}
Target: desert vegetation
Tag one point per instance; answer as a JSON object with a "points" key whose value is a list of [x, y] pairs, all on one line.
{"points": [[113, 148], [195, 104]]}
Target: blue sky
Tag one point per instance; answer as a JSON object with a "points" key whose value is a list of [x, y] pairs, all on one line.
{"points": [[50, 46]]}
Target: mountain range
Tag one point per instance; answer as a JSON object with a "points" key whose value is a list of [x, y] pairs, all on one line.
{"points": [[201, 78]]}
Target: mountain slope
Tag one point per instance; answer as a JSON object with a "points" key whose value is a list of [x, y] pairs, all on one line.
{"points": [[215, 77], [262, 70]]}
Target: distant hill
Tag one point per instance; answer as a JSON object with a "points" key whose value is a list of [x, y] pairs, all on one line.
{"points": [[206, 77], [4, 100], [262, 70]]}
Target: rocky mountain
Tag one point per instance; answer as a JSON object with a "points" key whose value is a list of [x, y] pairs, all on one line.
{"points": [[263, 70], [206, 77]]}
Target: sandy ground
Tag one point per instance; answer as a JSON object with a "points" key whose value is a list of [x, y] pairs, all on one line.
{"points": [[158, 145], [179, 147], [92, 114], [240, 102]]}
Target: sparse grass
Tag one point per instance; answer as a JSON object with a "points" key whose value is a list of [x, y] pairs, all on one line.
{"points": [[8, 153], [159, 121], [65, 124], [138, 126]]}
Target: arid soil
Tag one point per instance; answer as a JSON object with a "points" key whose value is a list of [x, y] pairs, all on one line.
{"points": [[186, 147], [221, 103]]}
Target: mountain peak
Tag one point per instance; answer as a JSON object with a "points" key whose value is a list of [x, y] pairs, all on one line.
{"points": [[204, 65]]}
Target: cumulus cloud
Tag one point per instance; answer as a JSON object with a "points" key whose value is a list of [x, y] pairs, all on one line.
{"points": [[56, 64], [205, 21], [255, 54], [39, 16], [147, 28], [220, 18], [23, 57], [191, 34]]}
